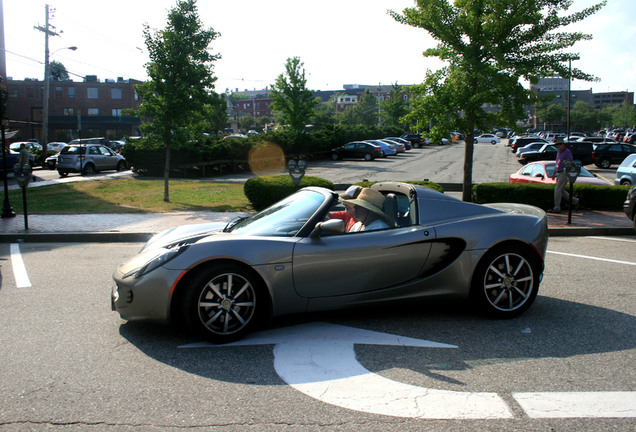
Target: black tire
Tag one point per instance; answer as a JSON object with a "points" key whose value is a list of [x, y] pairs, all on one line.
{"points": [[335, 156], [121, 166], [89, 169], [368, 157], [223, 303], [62, 174], [416, 145], [475, 142], [605, 163], [493, 142], [506, 282], [625, 182]]}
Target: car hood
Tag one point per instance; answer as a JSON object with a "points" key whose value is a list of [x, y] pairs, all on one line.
{"points": [[190, 232]]}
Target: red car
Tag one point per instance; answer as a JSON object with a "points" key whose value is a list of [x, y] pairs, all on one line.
{"points": [[541, 172]]}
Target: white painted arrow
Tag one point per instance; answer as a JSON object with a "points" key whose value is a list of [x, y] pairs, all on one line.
{"points": [[319, 360]]}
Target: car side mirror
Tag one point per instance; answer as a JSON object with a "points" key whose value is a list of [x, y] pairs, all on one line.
{"points": [[331, 226], [539, 175]]}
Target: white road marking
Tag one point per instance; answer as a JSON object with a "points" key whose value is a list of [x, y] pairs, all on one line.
{"points": [[19, 270], [319, 360], [583, 404], [593, 258], [613, 239]]}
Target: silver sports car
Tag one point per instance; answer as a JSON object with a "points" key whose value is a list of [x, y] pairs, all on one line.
{"points": [[226, 280]]}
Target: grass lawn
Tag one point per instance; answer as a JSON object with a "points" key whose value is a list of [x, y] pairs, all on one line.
{"points": [[131, 196]]}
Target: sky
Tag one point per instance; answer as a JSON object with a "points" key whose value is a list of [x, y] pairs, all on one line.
{"points": [[339, 41]]}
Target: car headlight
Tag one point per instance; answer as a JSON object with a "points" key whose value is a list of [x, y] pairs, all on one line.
{"points": [[161, 257]]}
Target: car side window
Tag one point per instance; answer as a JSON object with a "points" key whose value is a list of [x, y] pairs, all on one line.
{"points": [[527, 170], [105, 151], [93, 151]]}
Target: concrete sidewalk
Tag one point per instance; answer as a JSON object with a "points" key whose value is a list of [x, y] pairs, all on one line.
{"points": [[132, 227]]}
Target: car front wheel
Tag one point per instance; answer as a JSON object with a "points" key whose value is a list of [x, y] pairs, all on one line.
{"points": [[505, 282], [222, 303], [335, 156], [368, 156], [121, 166], [605, 163]]}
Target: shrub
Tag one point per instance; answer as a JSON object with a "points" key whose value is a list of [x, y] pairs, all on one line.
{"points": [[267, 190], [540, 195]]}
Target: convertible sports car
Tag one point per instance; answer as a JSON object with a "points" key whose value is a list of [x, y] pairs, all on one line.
{"points": [[224, 281]]}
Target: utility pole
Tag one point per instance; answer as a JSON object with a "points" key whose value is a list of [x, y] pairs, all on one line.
{"points": [[47, 30]]}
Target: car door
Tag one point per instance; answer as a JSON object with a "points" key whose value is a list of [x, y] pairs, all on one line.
{"points": [[108, 159], [359, 262]]}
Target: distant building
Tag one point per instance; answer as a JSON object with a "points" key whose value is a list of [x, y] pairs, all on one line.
{"points": [[76, 109], [613, 98]]}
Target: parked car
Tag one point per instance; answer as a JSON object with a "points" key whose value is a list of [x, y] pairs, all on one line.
{"points": [[12, 159], [399, 147], [88, 159], [357, 149], [387, 149], [547, 152], [541, 172], [598, 140], [51, 161], [534, 146], [630, 138], [224, 281], [56, 146], [416, 140], [582, 151], [407, 143], [521, 141], [605, 155], [626, 172], [629, 206], [30, 146], [487, 138]]}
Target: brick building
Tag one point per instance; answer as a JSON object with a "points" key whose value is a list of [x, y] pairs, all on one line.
{"points": [[76, 109]]}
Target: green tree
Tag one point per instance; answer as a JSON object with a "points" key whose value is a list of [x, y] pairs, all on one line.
{"points": [[367, 109], [58, 72], [181, 81], [555, 115], [487, 47], [292, 101], [395, 107]]}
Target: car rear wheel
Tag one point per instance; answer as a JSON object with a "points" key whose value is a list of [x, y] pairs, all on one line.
{"points": [[605, 163], [506, 282], [89, 169], [62, 173], [493, 142], [223, 303]]}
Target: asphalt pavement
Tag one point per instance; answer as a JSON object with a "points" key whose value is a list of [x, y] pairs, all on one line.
{"points": [[128, 227]]}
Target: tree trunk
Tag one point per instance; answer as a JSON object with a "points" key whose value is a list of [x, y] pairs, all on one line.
{"points": [[166, 176]]}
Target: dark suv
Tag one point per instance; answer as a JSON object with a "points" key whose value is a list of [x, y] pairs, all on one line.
{"points": [[582, 151], [607, 154], [416, 139]]}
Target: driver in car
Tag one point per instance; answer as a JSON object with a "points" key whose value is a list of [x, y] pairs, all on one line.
{"points": [[366, 209]]}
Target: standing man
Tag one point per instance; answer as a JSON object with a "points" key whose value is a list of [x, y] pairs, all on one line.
{"points": [[564, 154]]}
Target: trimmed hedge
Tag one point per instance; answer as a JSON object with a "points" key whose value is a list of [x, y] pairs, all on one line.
{"points": [[540, 195], [267, 190]]}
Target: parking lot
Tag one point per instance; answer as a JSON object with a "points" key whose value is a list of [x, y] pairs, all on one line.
{"points": [[69, 363]]}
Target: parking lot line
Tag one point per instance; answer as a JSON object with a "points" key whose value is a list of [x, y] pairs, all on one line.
{"points": [[19, 270]]}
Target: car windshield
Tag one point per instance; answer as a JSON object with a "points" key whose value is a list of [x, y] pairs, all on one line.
{"points": [[283, 219]]}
